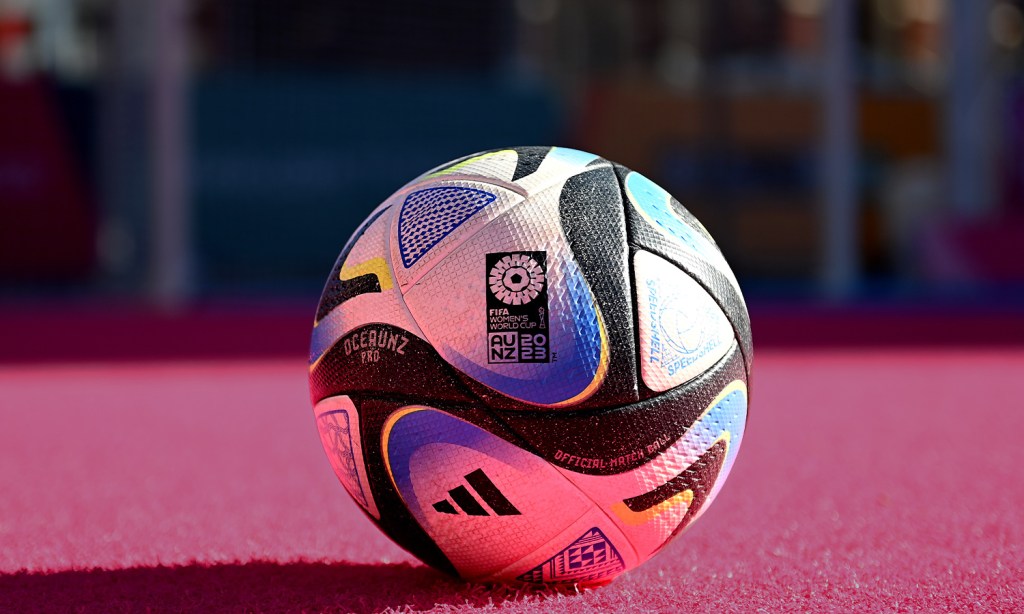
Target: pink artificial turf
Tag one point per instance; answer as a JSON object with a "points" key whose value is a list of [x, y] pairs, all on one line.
{"points": [[868, 480]]}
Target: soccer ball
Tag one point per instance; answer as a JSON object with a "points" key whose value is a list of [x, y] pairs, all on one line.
{"points": [[531, 365]]}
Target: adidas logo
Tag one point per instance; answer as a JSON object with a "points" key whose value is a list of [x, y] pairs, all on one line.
{"points": [[485, 489]]}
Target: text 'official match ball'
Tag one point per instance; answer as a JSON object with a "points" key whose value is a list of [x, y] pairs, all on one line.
{"points": [[531, 365]]}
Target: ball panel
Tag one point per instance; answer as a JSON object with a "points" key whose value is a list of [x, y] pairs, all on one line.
{"points": [[651, 502], [429, 215], [498, 164], [591, 559], [477, 307], [383, 306], [682, 330], [466, 486], [560, 163], [508, 165], [336, 291], [396, 520], [612, 441], [703, 478], [659, 239], [362, 280], [371, 343], [385, 360], [594, 222], [338, 423], [440, 168], [654, 205], [447, 211], [529, 160]]}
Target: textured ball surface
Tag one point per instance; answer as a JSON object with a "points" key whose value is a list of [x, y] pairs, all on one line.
{"points": [[531, 365]]}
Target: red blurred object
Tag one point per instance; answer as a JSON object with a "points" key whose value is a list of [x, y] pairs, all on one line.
{"points": [[47, 228], [13, 30], [40, 333], [986, 251]]}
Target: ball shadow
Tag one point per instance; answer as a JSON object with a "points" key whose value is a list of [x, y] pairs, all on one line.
{"points": [[258, 586]]}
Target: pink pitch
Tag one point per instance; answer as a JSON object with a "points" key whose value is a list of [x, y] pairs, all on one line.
{"points": [[868, 480]]}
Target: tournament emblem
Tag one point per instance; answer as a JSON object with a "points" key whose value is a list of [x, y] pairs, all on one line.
{"points": [[517, 307]]}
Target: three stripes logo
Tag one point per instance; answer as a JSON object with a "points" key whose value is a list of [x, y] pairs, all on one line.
{"points": [[485, 489]]}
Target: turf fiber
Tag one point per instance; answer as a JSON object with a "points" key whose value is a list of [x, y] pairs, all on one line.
{"points": [[868, 481]]}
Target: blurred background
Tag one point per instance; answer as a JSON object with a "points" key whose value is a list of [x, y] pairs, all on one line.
{"points": [[170, 155]]}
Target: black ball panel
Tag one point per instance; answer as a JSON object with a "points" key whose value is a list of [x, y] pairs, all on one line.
{"points": [[381, 359], [615, 440], [594, 221]]}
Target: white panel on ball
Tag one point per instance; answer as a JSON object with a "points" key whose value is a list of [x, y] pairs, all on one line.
{"points": [[338, 423], [450, 303], [683, 332], [497, 165], [433, 217]]}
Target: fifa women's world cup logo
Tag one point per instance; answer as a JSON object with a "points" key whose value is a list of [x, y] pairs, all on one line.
{"points": [[516, 279], [517, 307]]}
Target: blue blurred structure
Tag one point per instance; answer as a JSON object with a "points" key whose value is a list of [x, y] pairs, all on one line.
{"points": [[188, 149], [286, 165]]}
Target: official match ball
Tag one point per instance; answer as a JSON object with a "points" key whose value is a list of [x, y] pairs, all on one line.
{"points": [[531, 365]]}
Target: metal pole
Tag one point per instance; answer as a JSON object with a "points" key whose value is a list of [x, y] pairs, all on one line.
{"points": [[840, 252], [969, 109], [171, 272]]}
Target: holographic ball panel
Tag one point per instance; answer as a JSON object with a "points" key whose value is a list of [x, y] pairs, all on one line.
{"points": [[531, 365]]}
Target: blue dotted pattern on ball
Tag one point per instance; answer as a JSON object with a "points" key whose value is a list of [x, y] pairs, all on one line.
{"points": [[430, 215]]}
